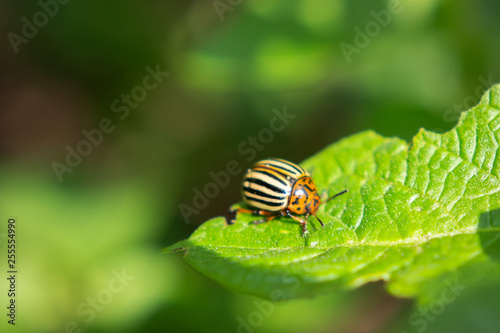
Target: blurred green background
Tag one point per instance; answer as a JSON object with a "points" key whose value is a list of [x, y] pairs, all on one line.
{"points": [[64, 64]]}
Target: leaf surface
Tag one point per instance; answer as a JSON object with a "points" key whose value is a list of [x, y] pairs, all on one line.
{"points": [[413, 216]]}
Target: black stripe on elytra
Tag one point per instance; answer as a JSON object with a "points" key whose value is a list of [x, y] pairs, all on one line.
{"points": [[267, 185], [260, 193], [286, 169], [267, 173], [267, 203], [294, 166], [310, 189]]}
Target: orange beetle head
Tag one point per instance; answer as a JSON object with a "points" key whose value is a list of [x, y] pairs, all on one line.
{"points": [[304, 198]]}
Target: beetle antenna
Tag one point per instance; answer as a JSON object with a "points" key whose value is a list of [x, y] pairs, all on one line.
{"points": [[336, 195]]}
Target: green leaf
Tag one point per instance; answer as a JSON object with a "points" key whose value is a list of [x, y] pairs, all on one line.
{"points": [[414, 217]]}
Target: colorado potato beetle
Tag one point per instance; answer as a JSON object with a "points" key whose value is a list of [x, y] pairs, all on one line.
{"points": [[276, 187]]}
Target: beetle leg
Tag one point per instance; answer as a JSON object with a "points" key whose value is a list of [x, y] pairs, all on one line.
{"points": [[254, 212], [232, 211], [265, 219], [320, 222], [301, 221], [242, 210], [269, 215]]}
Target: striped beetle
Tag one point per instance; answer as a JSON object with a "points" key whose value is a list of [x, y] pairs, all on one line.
{"points": [[276, 188]]}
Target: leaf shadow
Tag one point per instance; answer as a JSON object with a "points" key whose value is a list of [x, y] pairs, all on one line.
{"points": [[490, 241]]}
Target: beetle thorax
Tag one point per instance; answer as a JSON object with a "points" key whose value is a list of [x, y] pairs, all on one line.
{"points": [[304, 198]]}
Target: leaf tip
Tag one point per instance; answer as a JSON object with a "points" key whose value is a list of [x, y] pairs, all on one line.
{"points": [[491, 97], [179, 246]]}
